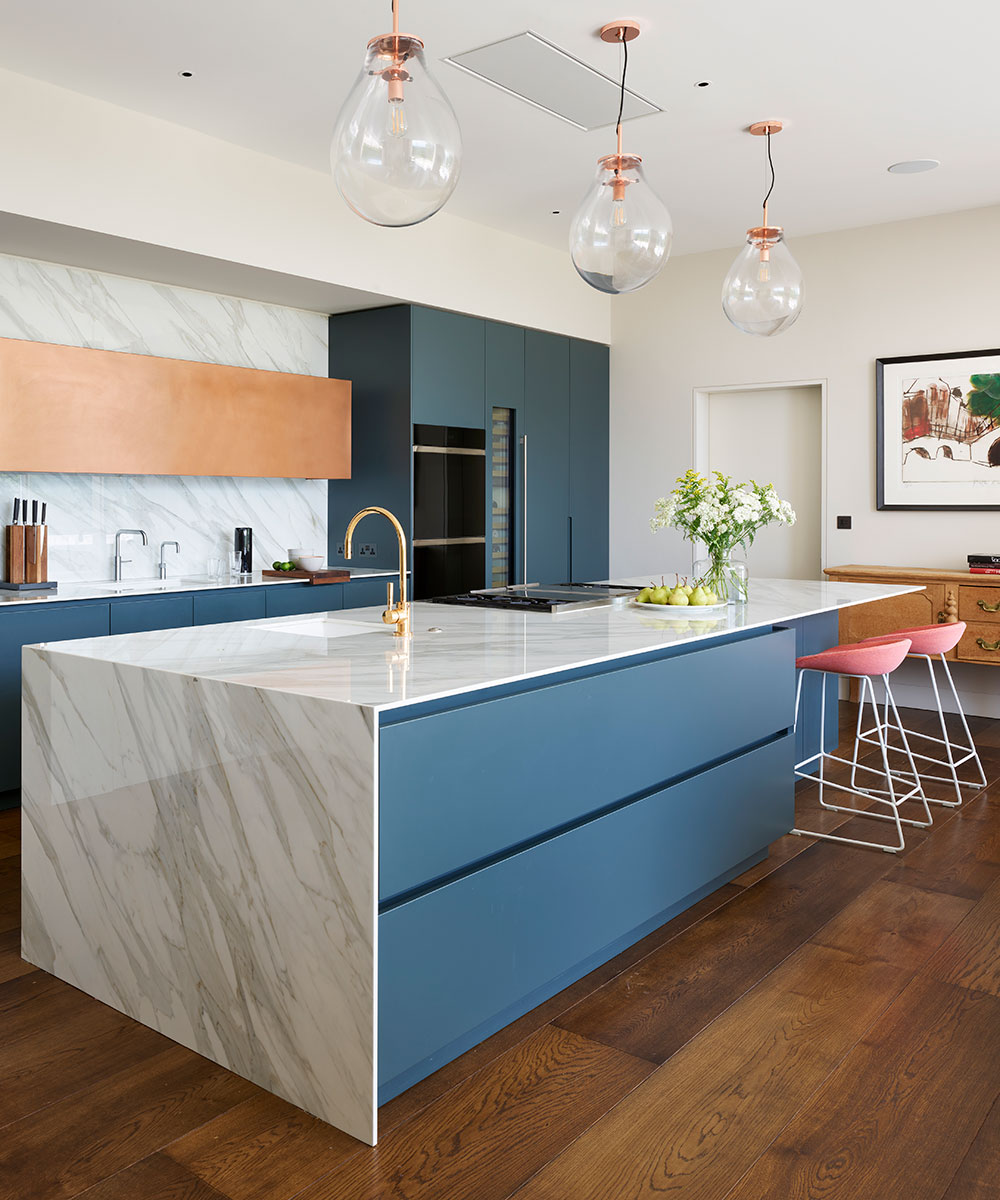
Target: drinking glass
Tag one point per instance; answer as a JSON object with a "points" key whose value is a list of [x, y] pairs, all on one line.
{"points": [[215, 568]]}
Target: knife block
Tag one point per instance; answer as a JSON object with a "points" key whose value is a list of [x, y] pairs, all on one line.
{"points": [[13, 558], [36, 553]]}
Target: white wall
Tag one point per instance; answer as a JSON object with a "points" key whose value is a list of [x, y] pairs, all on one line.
{"points": [[81, 162], [906, 288]]}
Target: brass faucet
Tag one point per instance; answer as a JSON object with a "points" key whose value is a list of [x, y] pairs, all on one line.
{"points": [[395, 614]]}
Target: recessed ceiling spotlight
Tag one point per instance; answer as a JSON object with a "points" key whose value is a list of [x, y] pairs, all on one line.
{"points": [[913, 166], [185, 74], [703, 83], [556, 212]]}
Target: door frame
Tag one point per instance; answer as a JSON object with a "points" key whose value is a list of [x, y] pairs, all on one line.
{"points": [[701, 398]]}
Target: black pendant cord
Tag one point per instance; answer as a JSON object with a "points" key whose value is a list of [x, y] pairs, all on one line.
{"points": [[770, 163], [621, 103]]}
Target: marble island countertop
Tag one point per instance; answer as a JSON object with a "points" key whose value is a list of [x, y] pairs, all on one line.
{"points": [[104, 589], [353, 658]]}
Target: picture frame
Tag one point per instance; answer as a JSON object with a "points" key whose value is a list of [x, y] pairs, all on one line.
{"points": [[937, 432]]}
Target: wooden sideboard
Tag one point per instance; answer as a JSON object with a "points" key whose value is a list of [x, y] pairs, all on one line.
{"points": [[948, 596]]}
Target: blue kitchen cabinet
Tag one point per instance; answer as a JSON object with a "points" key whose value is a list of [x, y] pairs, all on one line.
{"points": [[144, 613], [364, 593], [213, 608], [546, 398], [288, 600], [588, 460], [447, 368], [505, 389], [24, 626]]}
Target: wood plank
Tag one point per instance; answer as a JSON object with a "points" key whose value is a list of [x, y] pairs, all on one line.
{"points": [[9, 845], [703, 1117], [51, 1060], [58, 1152], [976, 1178], [10, 819], [10, 893], [970, 958], [962, 858], [900, 1113], [262, 1149], [11, 963], [490, 1134], [155, 1178], [779, 852], [405, 1105], [895, 923], [652, 1010]]}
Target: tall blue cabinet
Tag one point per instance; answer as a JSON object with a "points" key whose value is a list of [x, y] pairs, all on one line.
{"points": [[413, 365]]}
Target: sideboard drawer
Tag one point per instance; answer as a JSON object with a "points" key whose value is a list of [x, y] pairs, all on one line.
{"points": [[978, 603], [980, 643]]}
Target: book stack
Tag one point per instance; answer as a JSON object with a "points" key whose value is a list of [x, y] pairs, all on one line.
{"points": [[984, 564]]}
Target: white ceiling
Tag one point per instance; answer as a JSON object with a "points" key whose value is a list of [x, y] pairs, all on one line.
{"points": [[861, 84]]}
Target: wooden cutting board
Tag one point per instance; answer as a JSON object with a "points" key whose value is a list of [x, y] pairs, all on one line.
{"points": [[328, 575]]}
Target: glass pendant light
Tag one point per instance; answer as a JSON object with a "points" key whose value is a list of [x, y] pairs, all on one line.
{"points": [[621, 234], [762, 294], [397, 148]]}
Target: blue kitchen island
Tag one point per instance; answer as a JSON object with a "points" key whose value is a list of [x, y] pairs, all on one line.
{"points": [[332, 860]]}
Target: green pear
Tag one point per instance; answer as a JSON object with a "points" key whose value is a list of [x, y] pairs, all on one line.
{"points": [[644, 595], [660, 595], [711, 597], [678, 597], [698, 597]]}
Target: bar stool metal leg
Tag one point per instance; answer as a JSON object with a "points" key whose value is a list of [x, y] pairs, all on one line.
{"points": [[890, 796]]}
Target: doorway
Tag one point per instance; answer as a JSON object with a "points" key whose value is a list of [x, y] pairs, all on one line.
{"points": [[774, 434]]}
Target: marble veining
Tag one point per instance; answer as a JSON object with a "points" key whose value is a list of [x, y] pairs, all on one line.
{"points": [[201, 856], [473, 649], [50, 303]]}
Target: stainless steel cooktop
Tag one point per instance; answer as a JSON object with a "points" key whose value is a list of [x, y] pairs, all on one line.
{"points": [[544, 597]]}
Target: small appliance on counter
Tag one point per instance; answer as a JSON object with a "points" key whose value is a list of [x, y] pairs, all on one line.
{"points": [[243, 546], [545, 597], [26, 551]]}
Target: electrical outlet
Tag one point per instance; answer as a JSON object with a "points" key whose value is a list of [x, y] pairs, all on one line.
{"points": [[843, 522], [340, 550], [368, 550]]}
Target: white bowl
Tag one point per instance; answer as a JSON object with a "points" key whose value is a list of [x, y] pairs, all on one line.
{"points": [[299, 552], [308, 562]]}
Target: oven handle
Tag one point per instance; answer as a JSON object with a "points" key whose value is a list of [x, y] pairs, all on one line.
{"points": [[524, 511]]}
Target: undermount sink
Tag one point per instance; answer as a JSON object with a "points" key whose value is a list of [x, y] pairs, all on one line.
{"points": [[321, 627], [135, 585]]}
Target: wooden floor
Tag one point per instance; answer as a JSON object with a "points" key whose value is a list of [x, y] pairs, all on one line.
{"points": [[826, 1026]]}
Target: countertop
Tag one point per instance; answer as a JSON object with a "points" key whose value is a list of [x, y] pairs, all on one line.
{"points": [[105, 589], [353, 658]]}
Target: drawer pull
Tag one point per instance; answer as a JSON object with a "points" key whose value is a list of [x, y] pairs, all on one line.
{"points": [[989, 607], [985, 645]]}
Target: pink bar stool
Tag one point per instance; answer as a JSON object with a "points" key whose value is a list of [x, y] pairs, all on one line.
{"points": [[863, 661], [931, 642]]}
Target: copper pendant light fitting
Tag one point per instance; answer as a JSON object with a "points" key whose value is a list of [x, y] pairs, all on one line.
{"points": [[620, 31], [763, 128]]}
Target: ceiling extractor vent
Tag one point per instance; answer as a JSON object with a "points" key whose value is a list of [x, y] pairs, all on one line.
{"points": [[547, 77]]}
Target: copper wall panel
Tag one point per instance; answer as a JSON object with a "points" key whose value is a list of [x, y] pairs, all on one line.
{"points": [[106, 413]]}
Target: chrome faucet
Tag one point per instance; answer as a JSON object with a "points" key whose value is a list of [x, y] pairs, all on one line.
{"points": [[395, 614], [118, 547], [163, 564]]}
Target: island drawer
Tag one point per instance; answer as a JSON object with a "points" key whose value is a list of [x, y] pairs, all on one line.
{"points": [[471, 783], [462, 961]]}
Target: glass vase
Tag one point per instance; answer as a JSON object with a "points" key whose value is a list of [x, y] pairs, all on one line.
{"points": [[724, 575]]}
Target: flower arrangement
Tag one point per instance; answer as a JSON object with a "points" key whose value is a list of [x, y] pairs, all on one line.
{"points": [[723, 515]]}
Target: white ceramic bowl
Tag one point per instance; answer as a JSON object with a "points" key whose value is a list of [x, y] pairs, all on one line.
{"points": [[308, 562]]}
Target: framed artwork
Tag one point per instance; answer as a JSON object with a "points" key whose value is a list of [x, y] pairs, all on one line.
{"points": [[938, 431]]}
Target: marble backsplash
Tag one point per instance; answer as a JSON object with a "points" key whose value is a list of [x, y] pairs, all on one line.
{"points": [[49, 303]]}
